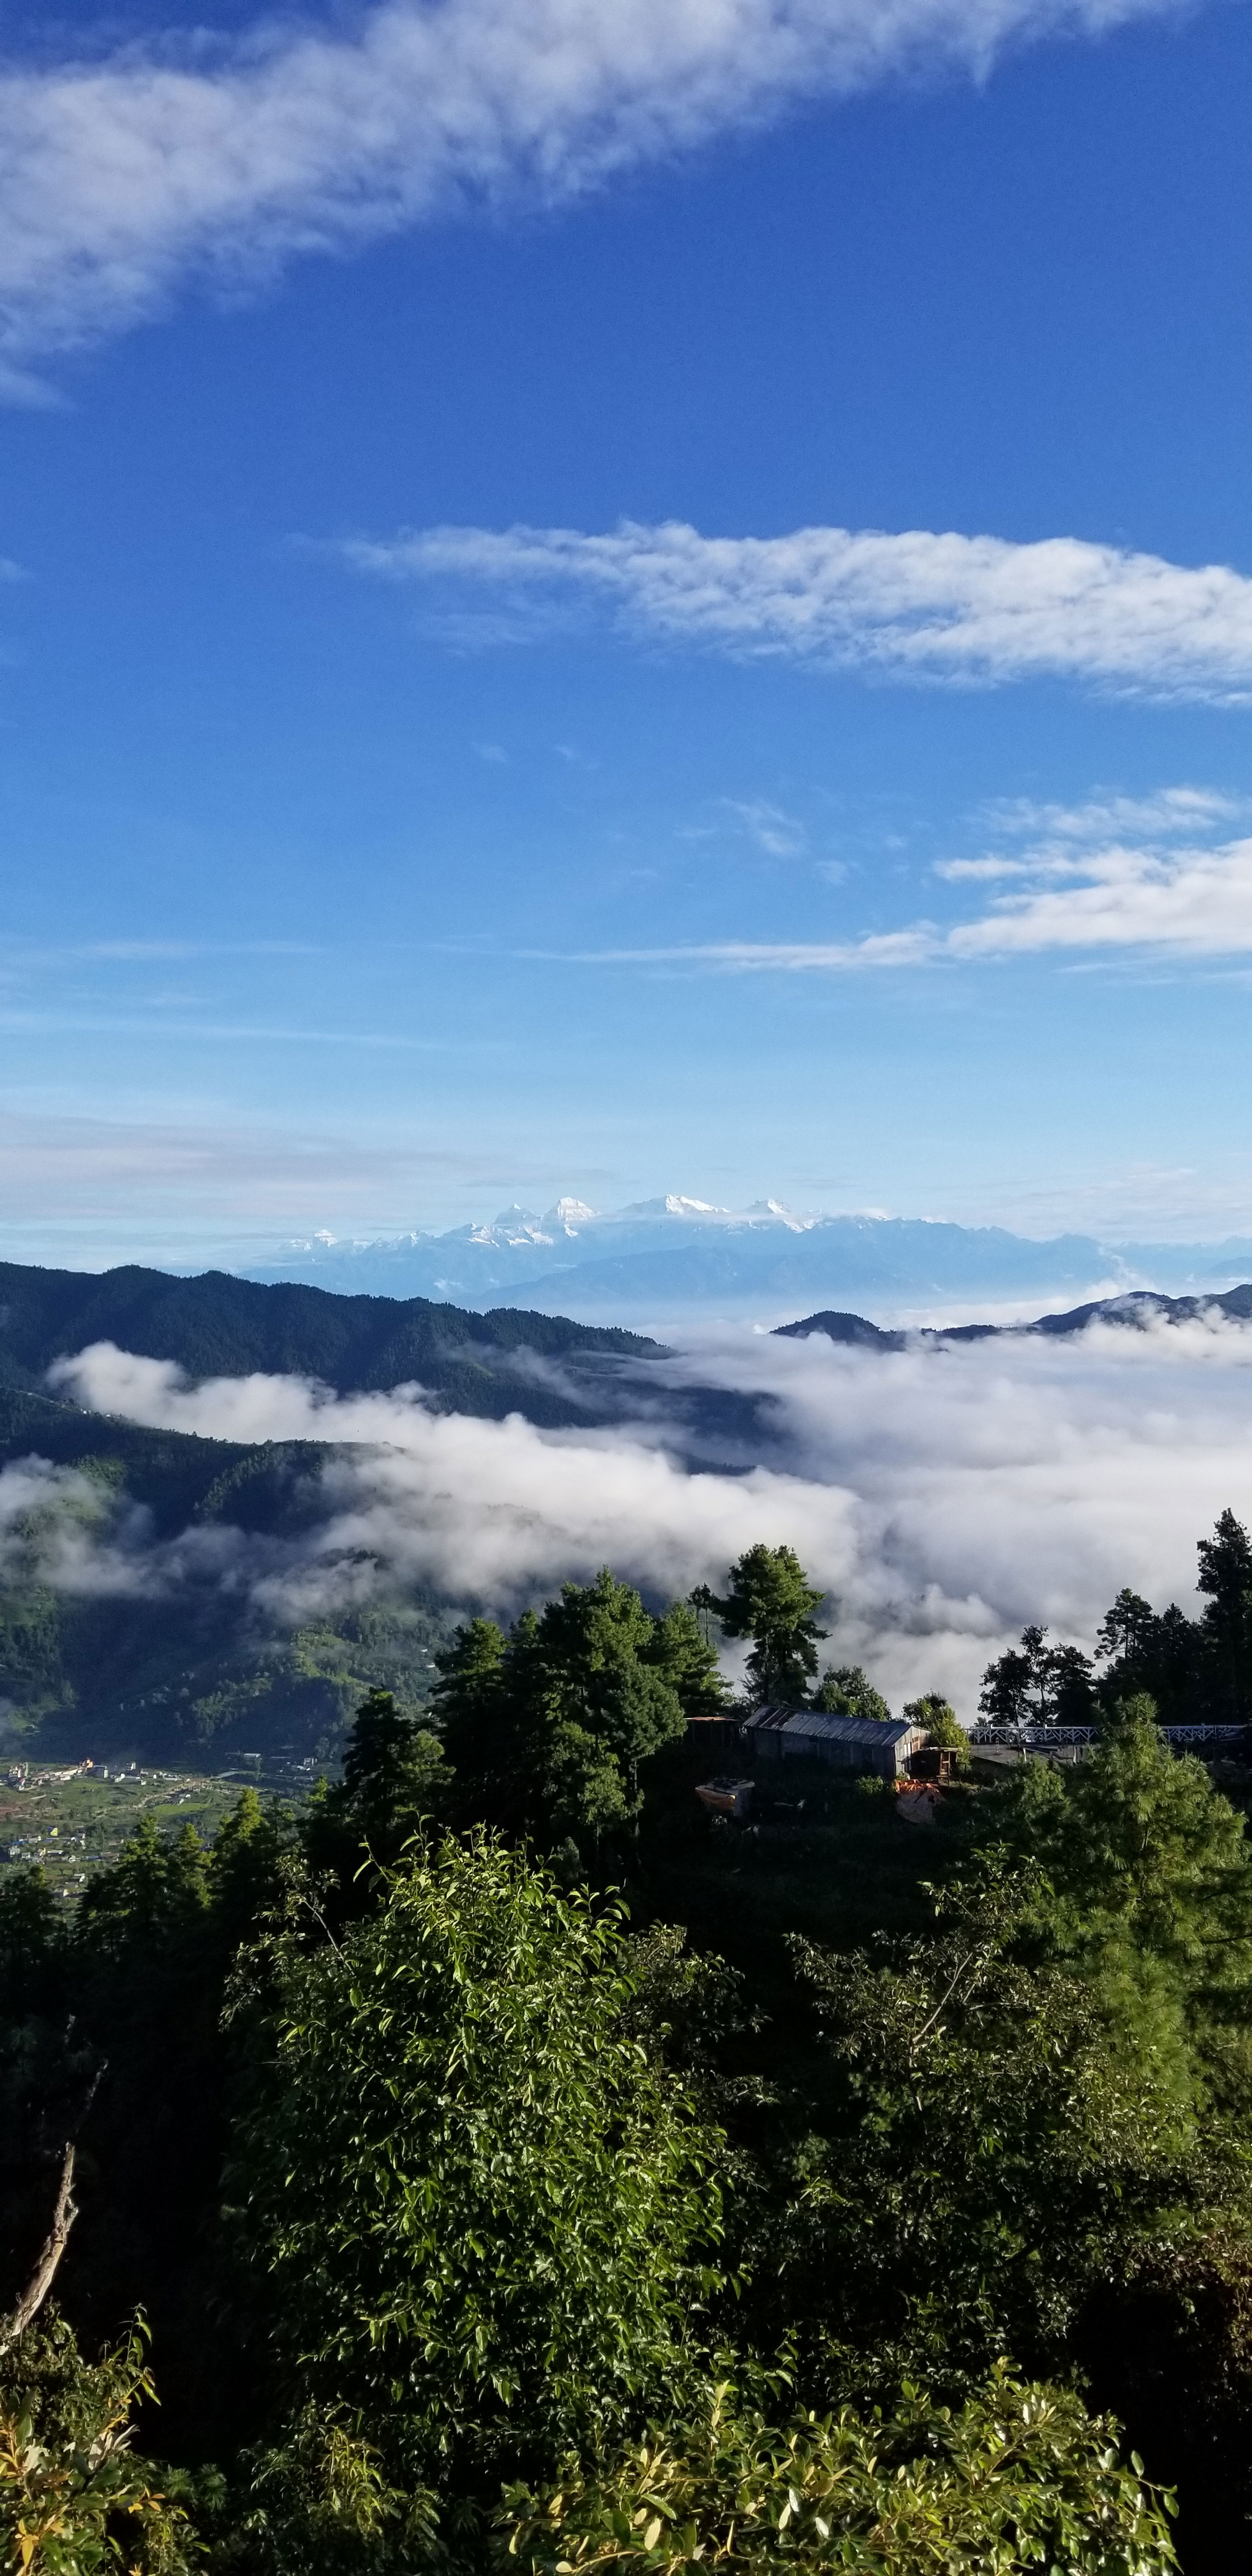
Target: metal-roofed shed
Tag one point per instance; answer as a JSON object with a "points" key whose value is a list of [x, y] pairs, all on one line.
{"points": [[848, 1743]]}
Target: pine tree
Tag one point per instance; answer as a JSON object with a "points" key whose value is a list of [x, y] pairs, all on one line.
{"points": [[771, 1600], [1226, 1578]]}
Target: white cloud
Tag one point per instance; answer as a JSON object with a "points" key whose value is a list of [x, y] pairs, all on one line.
{"points": [[1173, 813], [779, 834], [121, 175], [943, 1498], [982, 871], [912, 947], [916, 606], [1173, 898], [1189, 903]]}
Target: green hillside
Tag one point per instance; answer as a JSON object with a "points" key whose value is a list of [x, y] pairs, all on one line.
{"points": [[175, 1662], [216, 1326], [178, 1668]]}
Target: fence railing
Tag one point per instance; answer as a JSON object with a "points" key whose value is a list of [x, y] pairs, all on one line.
{"points": [[1040, 1739]]}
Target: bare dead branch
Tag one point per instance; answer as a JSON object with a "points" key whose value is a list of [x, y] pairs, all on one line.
{"points": [[41, 2278], [63, 2217]]}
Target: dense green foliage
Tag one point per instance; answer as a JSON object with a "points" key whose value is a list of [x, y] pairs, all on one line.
{"points": [[846, 1691], [1015, 2478], [478, 2207], [943, 1726], [549, 1729], [74, 2497], [516, 2166]]}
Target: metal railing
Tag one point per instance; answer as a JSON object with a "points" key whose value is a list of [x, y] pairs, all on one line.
{"points": [[1039, 1739]]}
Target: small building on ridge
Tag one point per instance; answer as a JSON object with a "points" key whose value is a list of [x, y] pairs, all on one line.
{"points": [[849, 1743]]}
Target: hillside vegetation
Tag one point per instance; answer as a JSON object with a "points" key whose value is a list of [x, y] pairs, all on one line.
{"points": [[497, 2162], [218, 1326], [171, 1668]]}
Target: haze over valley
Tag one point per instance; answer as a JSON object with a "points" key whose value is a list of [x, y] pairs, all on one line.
{"points": [[268, 1495]]}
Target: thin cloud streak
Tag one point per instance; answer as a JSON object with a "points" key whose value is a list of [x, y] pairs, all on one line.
{"points": [[961, 610], [122, 177]]}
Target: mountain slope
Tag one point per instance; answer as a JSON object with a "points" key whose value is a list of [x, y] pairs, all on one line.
{"points": [[218, 1326], [168, 1658]]}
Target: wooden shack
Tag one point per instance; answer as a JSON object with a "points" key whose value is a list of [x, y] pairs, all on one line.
{"points": [[865, 1744]]}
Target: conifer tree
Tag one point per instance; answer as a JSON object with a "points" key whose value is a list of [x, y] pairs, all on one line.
{"points": [[771, 1600]]}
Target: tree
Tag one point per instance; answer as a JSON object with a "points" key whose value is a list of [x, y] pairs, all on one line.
{"points": [[155, 1893], [1038, 1685], [1125, 1631], [550, 1728], [846, 1691], [1171, 1669], [75, 2498], [686, 1658], [471, 1707], [1162, 1654], [943, 1726], [394, 1774], [1006, 1695], [474, 2211], [1017, 2477], [246, 1870], [1157, 1866], [995, 2140], [34, 1945], [1226, 1578], [771, 1600]]}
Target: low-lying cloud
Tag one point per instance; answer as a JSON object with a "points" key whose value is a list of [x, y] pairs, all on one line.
{"points": [[970, 610], [121, 176], [941, 1496]]}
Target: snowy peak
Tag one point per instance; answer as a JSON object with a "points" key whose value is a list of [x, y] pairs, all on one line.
{"points": [[569, 1216], [677, 1254]]}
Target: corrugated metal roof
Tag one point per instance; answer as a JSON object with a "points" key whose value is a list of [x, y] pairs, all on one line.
{"points": [[820, 1723]]}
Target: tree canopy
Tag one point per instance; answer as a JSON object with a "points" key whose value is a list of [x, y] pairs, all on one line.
{"points": [[771, 1600], [550, 1729], [476, 2214], [517, 2166]]}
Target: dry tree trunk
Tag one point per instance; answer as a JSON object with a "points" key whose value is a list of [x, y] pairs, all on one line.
{"points": [[41, 2278]]}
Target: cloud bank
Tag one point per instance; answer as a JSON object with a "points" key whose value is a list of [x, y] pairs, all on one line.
{"points": [[941, 1497], [121, 176], [913, 606]]}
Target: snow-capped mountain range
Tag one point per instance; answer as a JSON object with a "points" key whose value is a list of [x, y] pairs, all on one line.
{"points": [[677, 1255]]}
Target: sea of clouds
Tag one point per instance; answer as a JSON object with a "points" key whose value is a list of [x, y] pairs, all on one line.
{"points": [[942, 1496]]}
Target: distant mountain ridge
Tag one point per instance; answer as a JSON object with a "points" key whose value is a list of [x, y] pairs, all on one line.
{"points": [[1136, 1310], [667, 1256]]}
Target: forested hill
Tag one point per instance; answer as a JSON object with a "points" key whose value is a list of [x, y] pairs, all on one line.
{"points": [[174, 1476], [167, 1661], [216, 1326]]}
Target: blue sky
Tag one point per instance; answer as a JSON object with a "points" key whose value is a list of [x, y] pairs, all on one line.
{"points": [[362, 878]]}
